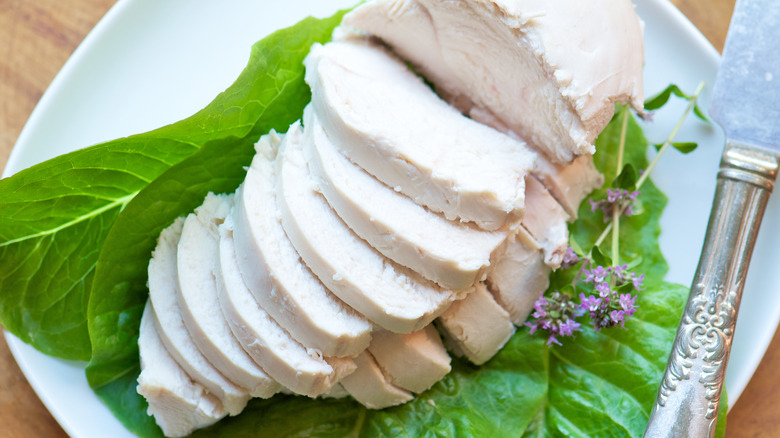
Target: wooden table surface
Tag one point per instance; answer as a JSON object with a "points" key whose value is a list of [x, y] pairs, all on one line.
{"points": [[38, 36]]}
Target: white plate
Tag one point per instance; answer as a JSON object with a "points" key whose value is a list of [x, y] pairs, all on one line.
{"points": [[149, 63]]}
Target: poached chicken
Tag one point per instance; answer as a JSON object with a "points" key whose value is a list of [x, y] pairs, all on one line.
{"points": [[391, 207]]}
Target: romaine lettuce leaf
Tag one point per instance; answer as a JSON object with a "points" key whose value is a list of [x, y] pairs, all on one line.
{"points": [[596, 385], [56, 215], [269, 94]]}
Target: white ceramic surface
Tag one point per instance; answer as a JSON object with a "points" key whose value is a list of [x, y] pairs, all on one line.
{"points": [[148, 63]]}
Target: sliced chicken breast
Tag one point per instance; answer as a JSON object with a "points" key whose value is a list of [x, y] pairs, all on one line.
{"points": [[414, 361], [337, 391], [274, 273], [519, 276], [163, 285], [546, 220], [385, 119], [197, 258], [178, 404], [568, 183], [282, 357], [477, 325], [517, 59], [453, 254], [371, 387], [391, 296]]}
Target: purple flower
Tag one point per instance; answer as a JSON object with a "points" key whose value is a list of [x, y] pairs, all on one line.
{"points": [[637, 280], [600, 274], [627, 304], [603, 289], [617, 317], [616, 198], [613, 195], [539, 306], [556, 314], [596, 275], [569, 327], [570, 258], [629, 200], [594, 205], [590, 304], [621, 272]]}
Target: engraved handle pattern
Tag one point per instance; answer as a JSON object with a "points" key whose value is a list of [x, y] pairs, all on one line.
{"points": [[707, 327], [689, 395]]}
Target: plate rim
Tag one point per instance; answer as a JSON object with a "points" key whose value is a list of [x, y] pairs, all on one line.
{"points": [[665, 7]]}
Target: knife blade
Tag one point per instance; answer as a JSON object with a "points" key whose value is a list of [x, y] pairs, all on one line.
{"points": [[746, 95], [746, 103]]}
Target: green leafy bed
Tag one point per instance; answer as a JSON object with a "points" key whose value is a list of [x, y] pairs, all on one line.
{"points": [[78, 231]]}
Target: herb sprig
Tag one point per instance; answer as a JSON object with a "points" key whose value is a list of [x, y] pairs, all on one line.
{"points": [[601, 287]]}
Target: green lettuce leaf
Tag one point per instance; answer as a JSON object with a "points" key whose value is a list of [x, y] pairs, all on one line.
{"points": [[598, 384], [57, 215], [119, 291], [269, 94]]}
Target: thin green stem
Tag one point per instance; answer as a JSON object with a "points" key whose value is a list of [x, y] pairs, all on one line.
{"points": [[622, 144], [618, 169], [670, 139], [603, 235], [649, 169], [616, 237]]}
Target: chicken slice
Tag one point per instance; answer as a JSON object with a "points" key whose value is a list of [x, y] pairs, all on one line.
{"points": [[391, 296], [371, 387], [337, 391], [568, 183], [197, 258], [517, 59], [413, 361], [272, 270], [178, 404], [281, 356], [519, 276], [453, 254], [385, 119], [477, 326], [546, 220], [163, 285]]}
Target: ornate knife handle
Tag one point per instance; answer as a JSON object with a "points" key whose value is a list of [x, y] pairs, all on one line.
{"points": [[689, 396]]}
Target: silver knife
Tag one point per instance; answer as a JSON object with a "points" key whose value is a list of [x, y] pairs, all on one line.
{"points": [[746, 103]]}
